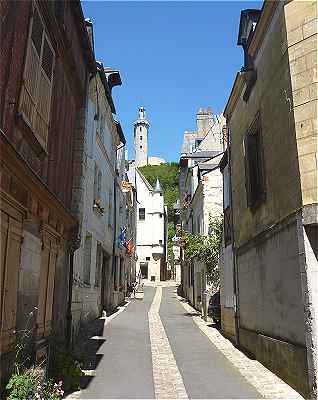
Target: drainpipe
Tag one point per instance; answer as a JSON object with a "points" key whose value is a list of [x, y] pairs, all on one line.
{"points": [[115, 214], [235, 274], [76, 240]]}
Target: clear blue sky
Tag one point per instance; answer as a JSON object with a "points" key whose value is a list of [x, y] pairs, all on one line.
{"points": [[174, 57]]}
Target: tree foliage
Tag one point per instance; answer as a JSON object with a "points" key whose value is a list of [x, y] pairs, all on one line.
{"points": [[206, 248]]}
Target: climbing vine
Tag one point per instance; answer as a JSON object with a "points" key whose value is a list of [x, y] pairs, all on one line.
{"points": [[206, 248]]}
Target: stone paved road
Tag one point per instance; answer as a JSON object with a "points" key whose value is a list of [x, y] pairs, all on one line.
{"points": [[157, 349]]}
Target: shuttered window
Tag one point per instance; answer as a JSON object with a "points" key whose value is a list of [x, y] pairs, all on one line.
{"points": [[97, 183], [36, 92], [46, 285], [10, 249], [254, 165], [87, 259], [98, 264], [142, 214]]}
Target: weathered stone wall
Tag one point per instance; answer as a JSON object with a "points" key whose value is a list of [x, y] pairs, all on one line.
{"points": [[271, 307], [301, 26], [269, 96], [269, 286]]}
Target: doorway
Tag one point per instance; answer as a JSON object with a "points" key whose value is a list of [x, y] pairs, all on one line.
{"points": [[144, 270]]}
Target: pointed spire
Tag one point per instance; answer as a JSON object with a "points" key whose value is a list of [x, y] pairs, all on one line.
{"points": [[158, 186]]}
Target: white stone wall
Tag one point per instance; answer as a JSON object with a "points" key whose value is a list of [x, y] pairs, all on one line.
{"points": [[150, 232], [141, 145], [101, 151]]}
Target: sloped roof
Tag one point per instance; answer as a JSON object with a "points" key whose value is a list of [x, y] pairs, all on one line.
{"points": [[144, 180]]}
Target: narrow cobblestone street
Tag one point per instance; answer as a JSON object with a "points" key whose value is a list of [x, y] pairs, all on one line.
{"points": [[159, 347]]}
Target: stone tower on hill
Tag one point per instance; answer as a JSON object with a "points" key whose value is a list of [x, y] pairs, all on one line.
{"points": [[141, 128]]}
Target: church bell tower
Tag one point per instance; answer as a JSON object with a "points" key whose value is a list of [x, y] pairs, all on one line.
{"points": [[141, 127]]}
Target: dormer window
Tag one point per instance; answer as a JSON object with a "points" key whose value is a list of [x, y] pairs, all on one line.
{"points": [[248, 22]]}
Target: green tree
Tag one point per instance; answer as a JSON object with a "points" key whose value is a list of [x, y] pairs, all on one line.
{"points": [[206, 249]]}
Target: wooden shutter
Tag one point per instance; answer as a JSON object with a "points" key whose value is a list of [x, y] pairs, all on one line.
{"points": [[87, 259], [31, 69], [248, 186], [99, 187], [95, 182], [98, 264], [43, 106], [3, 248], [45, 260], [11, 238], [50, 289], [46, 286], [35, 103]]}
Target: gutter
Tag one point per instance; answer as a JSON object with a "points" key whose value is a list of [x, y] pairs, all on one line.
{"points": [[235, 274], [115, 215]]}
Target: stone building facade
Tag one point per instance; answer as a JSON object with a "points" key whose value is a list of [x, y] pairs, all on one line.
{"points": [[93, 288], [42, 105], [271, 116], [151, 242], [200, 193]]}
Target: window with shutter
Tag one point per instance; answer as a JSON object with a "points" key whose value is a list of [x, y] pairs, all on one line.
{"points": [[95, 182], [99, 185], [87, 259], [142, 214], [36, 92], [254, 166], [98, 264]]}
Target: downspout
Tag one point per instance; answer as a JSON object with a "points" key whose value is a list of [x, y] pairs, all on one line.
{"points": [[76, 242], [235, 274], [115, 216]]}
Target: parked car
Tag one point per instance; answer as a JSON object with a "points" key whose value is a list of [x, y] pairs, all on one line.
{"points": [[214, 308]]}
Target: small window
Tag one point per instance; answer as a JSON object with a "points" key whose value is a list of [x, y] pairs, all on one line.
{"points": [[110, 212], [98, 264], [140, 129], [140, 137], [160, 241], [87, 259], [97, 183], [116, 273], [147, 258], [254, 165], [198, 142], [160, 215], [140, 147], [142, 214]]}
